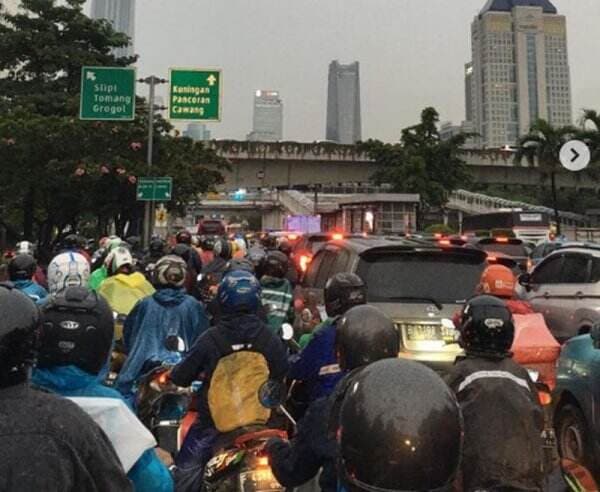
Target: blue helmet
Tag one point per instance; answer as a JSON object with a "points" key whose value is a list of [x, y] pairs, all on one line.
{"points": [[239, 292]]}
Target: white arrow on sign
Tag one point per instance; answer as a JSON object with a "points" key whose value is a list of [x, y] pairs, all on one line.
{"points": [[575, 155], [211, 80], [91, 76]]}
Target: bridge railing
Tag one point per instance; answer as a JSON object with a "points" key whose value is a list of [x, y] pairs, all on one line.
{"points": [[477, 203]]}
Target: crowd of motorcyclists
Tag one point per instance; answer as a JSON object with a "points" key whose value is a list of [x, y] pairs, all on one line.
{"points": [[78, 333]]}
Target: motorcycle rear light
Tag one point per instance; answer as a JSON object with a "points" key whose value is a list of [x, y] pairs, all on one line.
{"points": [[545, 398]]}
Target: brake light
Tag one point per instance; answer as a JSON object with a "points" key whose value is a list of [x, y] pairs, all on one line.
{"points": [[464, 238], [438, 235], [304, 261], [492, 259], [163, 378], [263, 461], [545, 398], [337, 236], [445, 242], [292, 237], [502, 240]]}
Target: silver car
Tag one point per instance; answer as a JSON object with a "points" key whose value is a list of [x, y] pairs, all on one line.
{"points": [[565, 288]]}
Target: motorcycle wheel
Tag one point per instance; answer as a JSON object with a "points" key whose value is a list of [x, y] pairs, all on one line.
{"points": [[573, 437]]}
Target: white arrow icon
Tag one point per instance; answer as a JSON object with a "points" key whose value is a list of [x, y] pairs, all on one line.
{"points": [[575, 155], [91, 76], [211, 80]]}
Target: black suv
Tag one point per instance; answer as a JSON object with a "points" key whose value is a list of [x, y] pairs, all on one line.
{"points": [[420, 286]]}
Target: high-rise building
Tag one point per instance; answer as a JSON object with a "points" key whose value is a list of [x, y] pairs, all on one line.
{"points": [[343, 103], [267, 121], [197, 132], [520, 70], [121, 14]]}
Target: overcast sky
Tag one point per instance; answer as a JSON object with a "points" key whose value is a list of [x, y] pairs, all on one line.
{"points": [[411, 52]]}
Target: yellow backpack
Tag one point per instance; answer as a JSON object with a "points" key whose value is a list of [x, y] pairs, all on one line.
{"points": [[233, 398]]}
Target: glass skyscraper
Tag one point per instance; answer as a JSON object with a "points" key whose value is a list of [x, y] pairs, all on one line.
{"points": [[121, 14], [519, 72], [267, 120], [343, 103]]}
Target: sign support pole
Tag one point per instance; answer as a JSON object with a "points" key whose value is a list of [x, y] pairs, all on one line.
{"points": [[149, 205]]}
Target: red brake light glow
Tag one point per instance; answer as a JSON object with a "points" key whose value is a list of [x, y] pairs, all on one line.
{"points": [[292, 237], [501, 239], [445, 242], [304, 261], [337, 236], [438, 235]]}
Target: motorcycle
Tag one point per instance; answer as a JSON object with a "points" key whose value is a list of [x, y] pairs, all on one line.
{"points": [[161, 405], [240, 462]]}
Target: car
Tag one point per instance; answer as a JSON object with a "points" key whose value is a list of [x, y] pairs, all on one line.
{"points": [[577, 399], [565, 288], [420, 286], [507, 246], [308, 244], [543, 249]]}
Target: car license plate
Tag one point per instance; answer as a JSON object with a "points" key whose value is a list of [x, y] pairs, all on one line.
{"points": [[418, 332], [259, 480]]}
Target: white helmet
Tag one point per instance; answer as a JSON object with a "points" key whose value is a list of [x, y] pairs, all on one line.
{"points": [[25, 248], [67, 270], [117, 258]]}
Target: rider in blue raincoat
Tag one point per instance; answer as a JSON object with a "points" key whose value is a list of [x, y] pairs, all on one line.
{"points": [[168, 312], [75, 342], [21, 270]]}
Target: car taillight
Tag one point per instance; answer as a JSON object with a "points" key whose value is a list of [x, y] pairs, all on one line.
{"points": [[445, 242], [292, 237], [304, 261], [502, 240], [337, 236]]}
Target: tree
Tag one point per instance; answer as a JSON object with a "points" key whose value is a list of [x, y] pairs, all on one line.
{"points": [[58, 171], [542, 146], [421, 162]]}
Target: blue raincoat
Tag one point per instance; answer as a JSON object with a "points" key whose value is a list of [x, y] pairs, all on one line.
{"points": [[168, 312], [149, 473], [32, 290]]}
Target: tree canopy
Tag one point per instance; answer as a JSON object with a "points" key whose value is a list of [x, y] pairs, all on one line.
{"points": [[421, 162], [56, 170]]}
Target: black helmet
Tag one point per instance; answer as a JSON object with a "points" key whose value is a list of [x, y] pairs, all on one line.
{"points": [[21, 267], [157, 246], [184, 237], [134, 242], [285, 246], [72, 241], [222, 248], [487, 327], [343, 291], [18, 335], [183, 251], [400, 429], [239, 264], [275, 264], [77, 329], [363, 335], [207, 243]]}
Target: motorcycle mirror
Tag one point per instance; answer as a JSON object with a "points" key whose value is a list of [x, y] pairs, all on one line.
{"points": [[271, 394], [287, 332], [173, 343]]}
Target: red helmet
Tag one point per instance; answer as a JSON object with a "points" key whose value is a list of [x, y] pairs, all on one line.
{"points": [[498, 281]]}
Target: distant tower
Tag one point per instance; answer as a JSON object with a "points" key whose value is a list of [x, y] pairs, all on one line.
{"points": [[343, 103], [267, 121], [520, 70], [121, 14]]}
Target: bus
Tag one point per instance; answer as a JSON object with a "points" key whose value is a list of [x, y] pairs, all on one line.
{"points": [[528, 225]]}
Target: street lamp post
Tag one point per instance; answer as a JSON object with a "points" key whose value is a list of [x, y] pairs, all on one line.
{"points": [[152, 81]]}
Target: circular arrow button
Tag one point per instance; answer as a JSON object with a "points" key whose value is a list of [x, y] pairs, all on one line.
{"points": [[575, 155]]}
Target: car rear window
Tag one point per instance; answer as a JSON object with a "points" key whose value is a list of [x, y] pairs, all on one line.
{"points": [[507, 249], [316, 244], [447, 278]]}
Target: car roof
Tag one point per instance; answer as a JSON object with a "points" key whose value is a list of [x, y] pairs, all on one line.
{"points": [[581, 247], [373, 244]]}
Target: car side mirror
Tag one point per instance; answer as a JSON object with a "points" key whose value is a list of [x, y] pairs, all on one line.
{"points": [[525, 280], [595, 335]]}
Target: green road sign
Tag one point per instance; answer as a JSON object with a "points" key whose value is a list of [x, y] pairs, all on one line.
{"points": [[195, 94], [107, 93], [155, 189]]}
